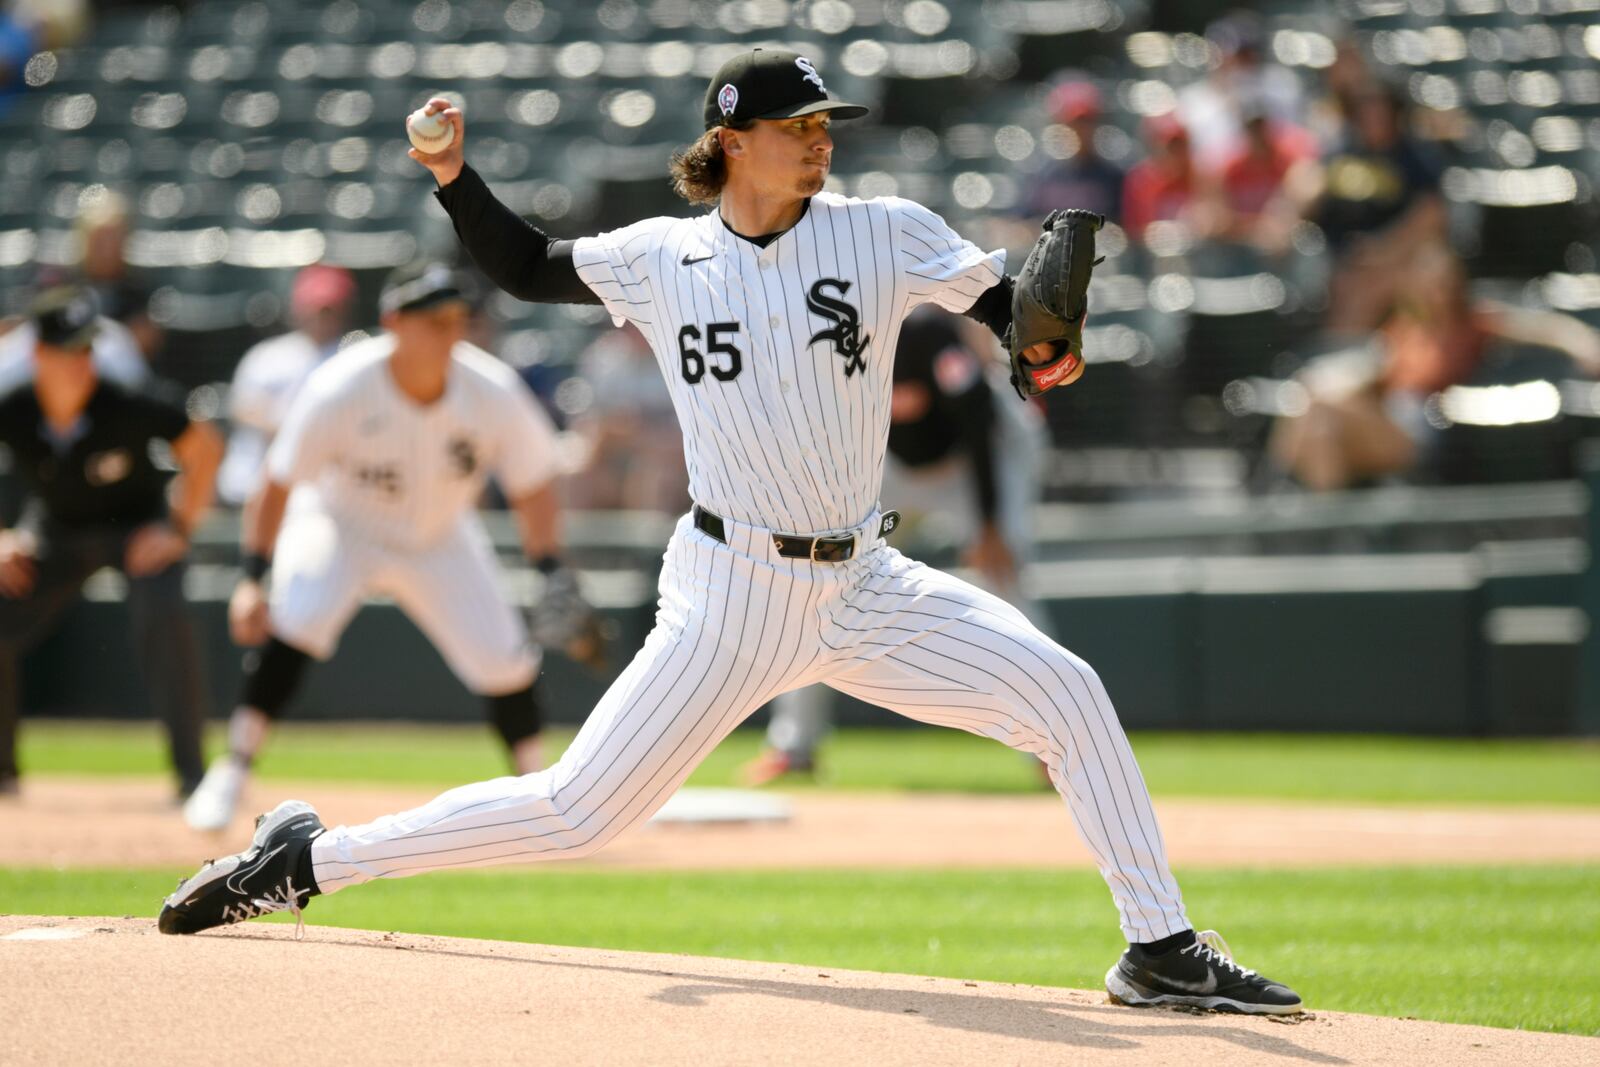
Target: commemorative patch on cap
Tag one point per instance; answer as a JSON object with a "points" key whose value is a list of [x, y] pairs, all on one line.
{"points": [[728, 99]]}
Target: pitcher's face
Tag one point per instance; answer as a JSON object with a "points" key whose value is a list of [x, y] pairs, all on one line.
{"points": [[785, 157]]}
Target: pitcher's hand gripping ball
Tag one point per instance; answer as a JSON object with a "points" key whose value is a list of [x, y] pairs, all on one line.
{"points": [[1051, 300], [563, 620], [429, 132]]}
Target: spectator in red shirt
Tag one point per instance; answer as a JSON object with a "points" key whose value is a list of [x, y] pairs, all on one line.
{"points": [[1366, 415], [1163, 186], [1246, 202]]}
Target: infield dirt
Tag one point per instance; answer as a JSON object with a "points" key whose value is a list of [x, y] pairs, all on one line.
{"points": [[111, 822], [114, 991]]}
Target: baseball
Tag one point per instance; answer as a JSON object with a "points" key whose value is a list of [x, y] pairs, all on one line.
{"points": [[429, 132]]}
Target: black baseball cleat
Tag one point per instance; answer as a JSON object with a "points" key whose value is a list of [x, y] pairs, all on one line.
{"points": [[257, 881], [1203, 975]]}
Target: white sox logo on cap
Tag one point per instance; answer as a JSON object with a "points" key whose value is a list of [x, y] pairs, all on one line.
{"points": [[79, 313], [728, 99], [811, 74]]}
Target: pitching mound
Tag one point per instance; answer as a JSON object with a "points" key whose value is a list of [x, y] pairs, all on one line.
{"points": [[114, 991]]}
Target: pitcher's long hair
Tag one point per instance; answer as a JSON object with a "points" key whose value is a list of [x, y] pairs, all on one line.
{"points": [[701, 170]]}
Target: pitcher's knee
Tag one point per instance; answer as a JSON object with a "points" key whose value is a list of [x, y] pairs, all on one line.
{"points": [[580, 827], [1075, 673]]}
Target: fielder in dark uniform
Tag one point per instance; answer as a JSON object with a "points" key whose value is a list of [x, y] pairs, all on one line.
{"points": [[96, 498]]}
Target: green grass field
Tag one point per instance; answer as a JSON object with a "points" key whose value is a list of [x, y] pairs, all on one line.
{"points": [[1498, 947], [1329, 768]]}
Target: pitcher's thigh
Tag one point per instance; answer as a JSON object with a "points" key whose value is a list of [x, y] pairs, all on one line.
{"points": [[934, 648]]}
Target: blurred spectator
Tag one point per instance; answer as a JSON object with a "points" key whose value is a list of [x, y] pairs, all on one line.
{"points": [[83, 448], [1085, 179], [635, 449], [102, 233], [1211, 109], [1376, 198], [1245, 201], [1343, 80], [18, 42], [270, 374], [54, 23], [1162, 186], [1366, 417]]}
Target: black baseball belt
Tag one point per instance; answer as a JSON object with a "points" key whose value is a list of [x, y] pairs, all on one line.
{"points": [[793, 546]]}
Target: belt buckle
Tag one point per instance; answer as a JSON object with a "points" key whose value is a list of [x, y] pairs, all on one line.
{"points": [[833, 549]]}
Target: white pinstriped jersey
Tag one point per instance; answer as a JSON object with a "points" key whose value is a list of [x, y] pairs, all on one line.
{"points": [[401, 473], [779, 358]]}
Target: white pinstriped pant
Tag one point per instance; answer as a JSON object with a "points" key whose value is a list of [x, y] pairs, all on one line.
{"points": [[738, 624]]}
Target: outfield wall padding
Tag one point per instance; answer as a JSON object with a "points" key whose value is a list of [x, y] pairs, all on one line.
{"points": [[1210, 645]]}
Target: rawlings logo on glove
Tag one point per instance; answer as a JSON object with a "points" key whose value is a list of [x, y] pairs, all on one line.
{"points": [[1051, 300]]}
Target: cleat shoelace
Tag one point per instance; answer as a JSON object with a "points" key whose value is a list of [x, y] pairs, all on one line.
{"points": [[286, 899], [1209, 946]]}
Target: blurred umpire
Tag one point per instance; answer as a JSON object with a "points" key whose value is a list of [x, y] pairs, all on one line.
{"points": [[82, 448]]}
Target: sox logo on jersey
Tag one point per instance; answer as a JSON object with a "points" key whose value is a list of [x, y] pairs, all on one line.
{"points": [[845, 333]]}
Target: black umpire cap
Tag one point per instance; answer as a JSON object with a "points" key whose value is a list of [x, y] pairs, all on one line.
{"points": [[66, 316], [418, 286], [770, 84]]}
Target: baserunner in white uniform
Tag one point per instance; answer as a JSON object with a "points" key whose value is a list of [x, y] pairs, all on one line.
{"points": [[773, 317], [374, 479]]}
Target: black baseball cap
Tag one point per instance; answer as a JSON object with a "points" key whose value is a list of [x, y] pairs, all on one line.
{"points": [[769, 83], [66, 316], [422, 285]]}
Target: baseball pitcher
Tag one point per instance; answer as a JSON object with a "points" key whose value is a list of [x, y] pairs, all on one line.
{"points": [[773, 316]]}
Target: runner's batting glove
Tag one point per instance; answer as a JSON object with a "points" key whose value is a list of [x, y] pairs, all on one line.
{"points": [[564, 621], [1051, 299]]}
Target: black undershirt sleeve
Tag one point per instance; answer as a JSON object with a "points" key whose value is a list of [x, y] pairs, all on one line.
{"points": [[515, 254], [993, 308]]}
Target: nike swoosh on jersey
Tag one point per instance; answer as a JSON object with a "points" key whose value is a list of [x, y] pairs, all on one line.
{"points": [[687, 262], [247, 871]]}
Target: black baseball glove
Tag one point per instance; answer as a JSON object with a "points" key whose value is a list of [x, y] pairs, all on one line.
{"points": [[1051, 299], [565, 622]]}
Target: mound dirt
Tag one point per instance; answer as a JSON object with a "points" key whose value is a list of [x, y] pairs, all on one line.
{"points": [[114, 991], [107, 822]]}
